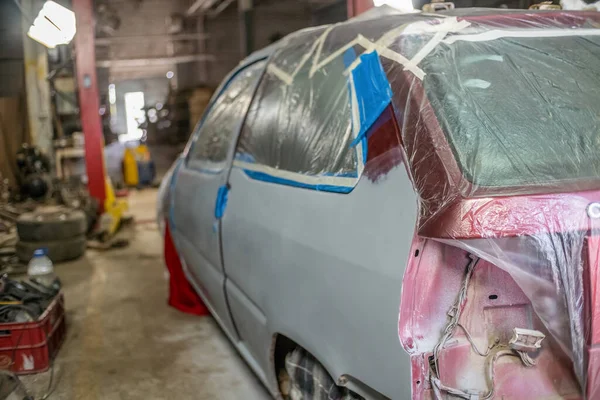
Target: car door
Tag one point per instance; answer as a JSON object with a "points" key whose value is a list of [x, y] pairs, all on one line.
{"points": [[200, 189], [313, 249]]}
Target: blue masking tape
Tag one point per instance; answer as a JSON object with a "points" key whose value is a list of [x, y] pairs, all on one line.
{"points": [[221, 203], [261, 176], [349, 57], [373, 93]]}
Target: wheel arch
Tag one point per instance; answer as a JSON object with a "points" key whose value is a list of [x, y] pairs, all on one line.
{"points": [[282, 344]]}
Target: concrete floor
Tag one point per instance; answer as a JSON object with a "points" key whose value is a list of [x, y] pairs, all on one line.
{"points": [[124, 342]]}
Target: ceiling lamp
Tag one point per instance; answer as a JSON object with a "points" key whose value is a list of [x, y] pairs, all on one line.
{"points": [[54, 25]]}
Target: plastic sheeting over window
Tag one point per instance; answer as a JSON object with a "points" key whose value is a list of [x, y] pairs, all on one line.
{"points": [[302, 123], [494, 98], [500, 126], [220, 124]]}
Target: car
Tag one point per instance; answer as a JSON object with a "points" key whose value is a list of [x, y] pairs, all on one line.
{"points": [[403, 206]]}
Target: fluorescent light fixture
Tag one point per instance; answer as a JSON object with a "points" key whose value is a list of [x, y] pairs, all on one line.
{"points": [[402, 5], [54, 25]]}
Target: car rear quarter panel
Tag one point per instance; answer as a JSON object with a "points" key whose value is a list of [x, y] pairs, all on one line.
{"points": [[326, 270]]}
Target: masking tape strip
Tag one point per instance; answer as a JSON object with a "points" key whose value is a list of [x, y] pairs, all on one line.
{"points": [[339, 52], [425, 50], [381, 46], [287, 79], [354, 107], [529, 33], [448, 25], [298, 177], [321, 42], [306, 57], [356, 126]]}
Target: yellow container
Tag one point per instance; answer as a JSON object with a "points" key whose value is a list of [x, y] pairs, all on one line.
{"points": [[130, 163]]}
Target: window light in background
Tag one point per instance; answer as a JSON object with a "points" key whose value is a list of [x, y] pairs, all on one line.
{"points": [[54, 25], [402, 5], [135, 115], [112, 100]]}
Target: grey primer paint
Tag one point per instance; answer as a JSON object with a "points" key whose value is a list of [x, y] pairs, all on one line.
{"points": [[324, 269]]}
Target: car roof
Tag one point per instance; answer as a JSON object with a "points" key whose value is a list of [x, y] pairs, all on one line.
{"points": [[373, 16]]}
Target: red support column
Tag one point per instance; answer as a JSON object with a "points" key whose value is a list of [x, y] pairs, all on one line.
{"points": [[89, 102], [356, 7]]}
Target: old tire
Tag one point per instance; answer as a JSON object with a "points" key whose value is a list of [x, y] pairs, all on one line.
{"points": [[58, 250], [51, 224]]}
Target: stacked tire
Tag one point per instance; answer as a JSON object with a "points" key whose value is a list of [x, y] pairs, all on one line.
{"points": [[58, 229]]}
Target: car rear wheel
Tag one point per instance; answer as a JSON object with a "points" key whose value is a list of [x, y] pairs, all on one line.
{"points": [[304, 378]]}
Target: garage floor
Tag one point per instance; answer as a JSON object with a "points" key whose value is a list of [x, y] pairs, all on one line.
{"points": [[124, 342]]}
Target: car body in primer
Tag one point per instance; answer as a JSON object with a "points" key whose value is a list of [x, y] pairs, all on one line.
{"points": [[410, 198]]}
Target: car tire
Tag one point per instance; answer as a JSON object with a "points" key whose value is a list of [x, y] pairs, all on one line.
{"points": [[51, 224], [307, 379], [58, 250]]}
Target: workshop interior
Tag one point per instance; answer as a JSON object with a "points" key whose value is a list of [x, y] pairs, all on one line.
{"points": [[299, 199]]}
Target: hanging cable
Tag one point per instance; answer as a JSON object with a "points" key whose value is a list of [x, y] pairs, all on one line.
{"points": [[455, 312], [523, 341]]}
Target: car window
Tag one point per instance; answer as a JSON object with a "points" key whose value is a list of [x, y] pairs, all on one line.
{"points": [[224, 117], [300, 122], [520, 111]]}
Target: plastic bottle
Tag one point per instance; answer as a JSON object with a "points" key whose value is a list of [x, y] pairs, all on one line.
{"points": [[41, 269]]}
